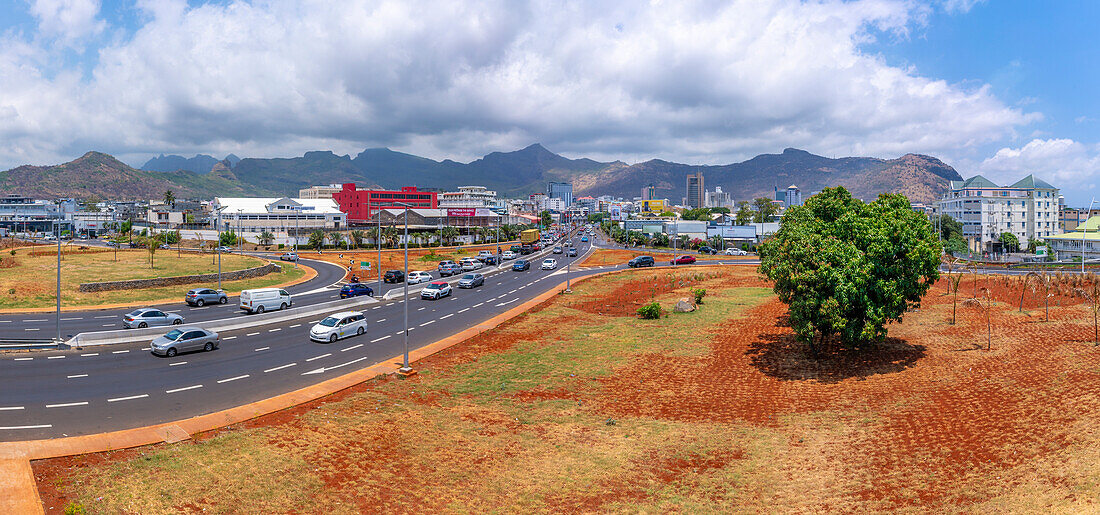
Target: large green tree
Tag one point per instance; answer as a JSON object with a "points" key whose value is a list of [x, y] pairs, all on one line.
{"points": [[848, 268], [744, 213], [949, 227], [765, 209], [1010, 242]]}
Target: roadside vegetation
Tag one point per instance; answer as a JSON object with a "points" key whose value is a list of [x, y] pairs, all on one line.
{"points": [[28, 278]]}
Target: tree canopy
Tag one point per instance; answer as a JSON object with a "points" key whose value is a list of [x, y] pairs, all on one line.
{"points": [[1010, 241], [701, 213], [848, 268], [744, 213], [765, 209], [949, 227]]}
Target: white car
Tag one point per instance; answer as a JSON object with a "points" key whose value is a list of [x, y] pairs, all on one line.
{"points": [[549, 264], [339, 325], [469, 264], [436, 290], [736, 252], [419, 277], [508, 255]]}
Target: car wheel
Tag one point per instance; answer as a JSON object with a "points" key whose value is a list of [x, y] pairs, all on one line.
{"points": [[142, 325], [332, 338], [208, 347], [177, 321], [171, 352], [283, 306], [199, 303], [223, 300], [359, 332], [260, 308]]}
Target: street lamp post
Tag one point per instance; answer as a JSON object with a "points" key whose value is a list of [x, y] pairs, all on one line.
{"points": [[1084, 229], [58, 313], [405, 368], [378, 241]]}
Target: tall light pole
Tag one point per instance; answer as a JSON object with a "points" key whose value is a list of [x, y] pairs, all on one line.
{"points": [[378, 241], [406, 368], [58, 313], [1084, 229]]}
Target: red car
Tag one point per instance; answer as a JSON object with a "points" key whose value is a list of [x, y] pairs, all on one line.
{"points": [[684, 260]]}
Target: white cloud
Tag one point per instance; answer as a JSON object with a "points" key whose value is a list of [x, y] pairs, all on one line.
{"points": [[701, 81], [1065, 163], [67, 20], [960, 6]]}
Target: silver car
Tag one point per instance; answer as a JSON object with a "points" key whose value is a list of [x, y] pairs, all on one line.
{"points": [[149, 317], [201, 296], [471, 280], [184, 339], [339, 325]]}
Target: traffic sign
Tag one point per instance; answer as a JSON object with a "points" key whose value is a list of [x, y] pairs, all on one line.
{"points": [[364, 265]]}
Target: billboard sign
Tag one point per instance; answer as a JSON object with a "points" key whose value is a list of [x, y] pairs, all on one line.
{"points": [[462, 211]]}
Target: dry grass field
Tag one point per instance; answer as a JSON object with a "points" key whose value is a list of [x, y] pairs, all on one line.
{"points": [[28, 278], [579, 406]]}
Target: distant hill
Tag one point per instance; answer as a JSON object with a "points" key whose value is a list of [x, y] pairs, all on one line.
{"points": [[96, 174], [516, 173]]}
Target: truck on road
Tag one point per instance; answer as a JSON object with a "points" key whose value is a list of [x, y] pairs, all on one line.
{"points": [[529, 236]]}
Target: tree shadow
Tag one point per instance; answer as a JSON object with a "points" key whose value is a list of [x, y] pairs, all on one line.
{"points": [[782, 356]]}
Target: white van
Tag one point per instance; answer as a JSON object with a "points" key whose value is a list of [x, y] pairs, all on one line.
{"points": [[264, 299]]}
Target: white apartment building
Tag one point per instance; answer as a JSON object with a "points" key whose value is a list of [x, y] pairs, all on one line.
{"points": [[469, 196], [718, 198], [1028, 209], [279, 216], [315, 192]]}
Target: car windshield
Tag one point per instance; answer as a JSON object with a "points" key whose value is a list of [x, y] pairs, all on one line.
{"points": [[329, 321], [434, 286], [468, 276], [548, 261], [135, 313], [173, 334]]}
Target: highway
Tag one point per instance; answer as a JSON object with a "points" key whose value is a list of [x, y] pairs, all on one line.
{"points": [[64, 393]]}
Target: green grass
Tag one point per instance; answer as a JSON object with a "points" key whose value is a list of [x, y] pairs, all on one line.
{"points": [[31, 284]]}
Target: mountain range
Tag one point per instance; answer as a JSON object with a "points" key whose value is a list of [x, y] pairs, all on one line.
{"points": [[517, 173]]}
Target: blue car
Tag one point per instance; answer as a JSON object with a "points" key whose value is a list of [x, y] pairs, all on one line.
{"points": [[355, 290], [584, 238], [521, 265]]}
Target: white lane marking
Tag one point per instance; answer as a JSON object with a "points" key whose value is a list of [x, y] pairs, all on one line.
{"points": [[276, 329], [185, 388], [314, 321], [130, 398], [40, 426], [55, 357], [107, 325], [67, 404], [356, 346], [260, 349], [463, 310], [506, 303], [90, 354], [520, 288], [447, 316], [107, 316], [229, 337], [380, 339], [509, 293], [6, 321], [428, 322], [11, 408], [76, 318], [23, 359], [74, 376], [295, 325], [319, 357], [380, 320], [478, 304], [119, 351], [36, 320], [177, 363], [252, 334], [320, 370], [31, 329], [232, 379], [288, 365], [421, 309]]}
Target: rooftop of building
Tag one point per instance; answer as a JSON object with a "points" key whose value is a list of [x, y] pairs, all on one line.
{"points": [[1027, 183], [265, 204]]}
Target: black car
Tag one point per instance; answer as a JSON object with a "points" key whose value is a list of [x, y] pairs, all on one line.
{"points": [[520, 265], [707, 250], [640, 261], [526, 249], [572, 252], [393, 276], [489, 260], [355, 290]]}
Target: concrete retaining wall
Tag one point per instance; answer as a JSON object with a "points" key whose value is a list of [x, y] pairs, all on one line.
{"points": [[135, 284]]}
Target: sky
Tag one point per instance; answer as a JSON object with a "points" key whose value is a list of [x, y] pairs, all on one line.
{"points": [[999, 88]]}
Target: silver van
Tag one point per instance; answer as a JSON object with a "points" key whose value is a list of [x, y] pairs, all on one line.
{"points": [[264, 299]]}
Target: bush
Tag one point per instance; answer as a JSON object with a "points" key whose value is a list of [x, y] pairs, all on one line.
{"points": [[74, 508], [281, 246], [651, 311], [699, 293]]}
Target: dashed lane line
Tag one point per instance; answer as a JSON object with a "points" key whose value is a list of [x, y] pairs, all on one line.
{"points": [[177, 363], [31, 329], [220, 381], [107, 316], [229, 337], [356, 346], [119, 351], [428, 322], [90, 354], [23, 359], [10, 408], [288, 365], [261, 349], [252, 334], [185, 388], [276, 329], [67, 404], [55, 357], [36, 320], [319, 357], [295, 325], [68, 319], [39, 426], [463, 310], [75, 376], [130, 398], [380, 339]]}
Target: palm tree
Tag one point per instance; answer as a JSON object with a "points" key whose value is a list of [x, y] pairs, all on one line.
{"points": [[449, 234], [357, 236], [151, 246], [169, 198], [335, 238], [390, 237], [266, 238], [317, 239]]}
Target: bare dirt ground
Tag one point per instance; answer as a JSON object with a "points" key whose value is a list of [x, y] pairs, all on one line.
{"points": [[578, 406]]}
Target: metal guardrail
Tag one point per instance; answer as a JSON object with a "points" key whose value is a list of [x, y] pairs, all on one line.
{"points": [[28, 343]]}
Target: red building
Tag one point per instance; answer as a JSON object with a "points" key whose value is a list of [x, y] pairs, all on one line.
{"points": [[360, 205]]}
